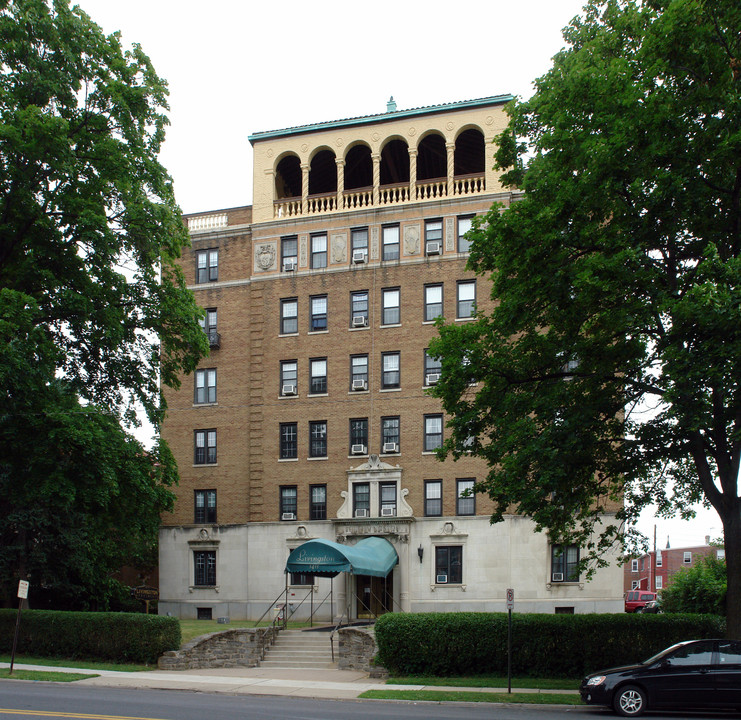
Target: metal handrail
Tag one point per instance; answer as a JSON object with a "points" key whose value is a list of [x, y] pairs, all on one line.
{"points": [[272, 604], [337, 627]]}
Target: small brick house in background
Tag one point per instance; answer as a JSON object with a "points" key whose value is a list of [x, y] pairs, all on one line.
{"points": [[655, 570]]}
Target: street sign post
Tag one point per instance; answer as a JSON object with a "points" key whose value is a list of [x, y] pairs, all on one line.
{"points": [[22, 595], [510, 607]]}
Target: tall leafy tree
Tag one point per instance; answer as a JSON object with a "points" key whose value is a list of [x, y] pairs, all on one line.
{"points": [[94, 312], [609, 369]]}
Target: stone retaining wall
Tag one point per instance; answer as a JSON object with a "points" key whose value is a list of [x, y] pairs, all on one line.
{"points": [[357, 648], [240, 647]]}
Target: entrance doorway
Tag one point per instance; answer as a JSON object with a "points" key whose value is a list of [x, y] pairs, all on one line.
{"points": [[374, 595]]}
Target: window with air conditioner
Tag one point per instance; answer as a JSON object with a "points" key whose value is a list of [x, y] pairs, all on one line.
{"points": [[359, 244], [390, 434], [289, 253], [565, 563], [359, 308], [361, 499], [358, 372], [288, 502], [358, 436], [358, 256], [387, 498], [288, 377], [433, 236], [449, 564]]}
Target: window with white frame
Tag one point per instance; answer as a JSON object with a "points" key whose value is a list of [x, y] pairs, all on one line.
{"points": [[288, 377], [289, 316], [448, 564], [390, 306], [466, 299], [205, 386], [319, 251], [433, 437], [634, 565], [433, 302], [658, 582], [433, 236], [687, 557], [204, 447], [390, 249], [634, 584], [359, 242], [207, 266]]}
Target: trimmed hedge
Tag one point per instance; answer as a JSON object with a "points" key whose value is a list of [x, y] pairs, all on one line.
{"points": [[114, 637], [473, 643]]}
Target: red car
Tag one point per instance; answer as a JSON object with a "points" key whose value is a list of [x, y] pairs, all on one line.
{"points": [[635, 599]]}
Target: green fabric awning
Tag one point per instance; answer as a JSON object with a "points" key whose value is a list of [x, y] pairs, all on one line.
{"points": [[370, 556]]}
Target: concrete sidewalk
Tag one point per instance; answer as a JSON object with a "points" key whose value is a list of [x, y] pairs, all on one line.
{"points": [[329, 683]]}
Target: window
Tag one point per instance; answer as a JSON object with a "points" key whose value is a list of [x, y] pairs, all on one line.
{"points": [[433, 432], [318, 438], [317, 502], [288, 441], [318, 318], [659, 560], [433, 237], [687, 558], [205, 386], [207, 266], [288, 377], [464, 225], [433, 302], [390, 242], [289, 252], [361, 499], [390, 434], [465, 503], [318, 376], [205, 506], [387, 498], [659, 582], [694, 654], [359, 243], [288, 502], [466, 298], [208, 325], [433, 498], [391, 306], [358, 436], [634, 565], [448, 564], [729, 652], [289, 316], [391, 370], [300, 578], [205, 567], [319, 251], [204, 447], [564, 563], [634, 584], [359, 308], [358, 372], [433, 368]]}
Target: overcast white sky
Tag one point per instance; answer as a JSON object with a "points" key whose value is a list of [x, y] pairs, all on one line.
{"points": [[235, 68]]}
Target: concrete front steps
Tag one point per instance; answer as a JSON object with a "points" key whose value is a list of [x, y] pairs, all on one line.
{"points": [[300, 649]]}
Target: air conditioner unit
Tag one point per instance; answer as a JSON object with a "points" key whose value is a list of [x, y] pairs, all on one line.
{"points": [[359, 385], [433, 248], [390, 447], [288, 390], [441, 579], [358, 256], [388, 512], [432, 378], [358, 450], [557, 577], [359, 321], [288, 516], [361, 513], [289, 265]]}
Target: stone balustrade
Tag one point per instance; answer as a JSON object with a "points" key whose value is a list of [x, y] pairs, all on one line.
{"points": [[202, 223]]}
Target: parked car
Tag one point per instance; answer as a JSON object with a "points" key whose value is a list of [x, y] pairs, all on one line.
{"points": [[692, 674], [652, 606], [635, 599]]}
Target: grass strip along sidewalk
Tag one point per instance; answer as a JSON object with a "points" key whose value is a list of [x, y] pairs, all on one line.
{"points": [[49, 676], [463, 696]]}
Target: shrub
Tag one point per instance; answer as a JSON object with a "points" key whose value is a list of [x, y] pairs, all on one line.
{"points": [[114, 637], [447, 644]]}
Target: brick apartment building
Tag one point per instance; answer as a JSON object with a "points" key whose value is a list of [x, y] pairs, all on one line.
{"points": [[310, 420], [656, 569]]}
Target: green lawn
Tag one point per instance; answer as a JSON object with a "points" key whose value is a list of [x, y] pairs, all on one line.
{"points": [[488, 681], [455, 696], [65, 662], [41, 675]]}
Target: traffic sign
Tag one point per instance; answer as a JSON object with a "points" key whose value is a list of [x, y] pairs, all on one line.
{"points": [[510, 599], [23, 589]]}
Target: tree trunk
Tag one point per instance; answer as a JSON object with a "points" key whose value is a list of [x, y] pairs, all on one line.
{"points": [[732, 532]]}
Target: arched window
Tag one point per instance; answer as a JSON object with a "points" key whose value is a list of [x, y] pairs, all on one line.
{"points": [[432, 162], [288, 178], [358, 168], [323, 173], [469, 153], [395, 163]]}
